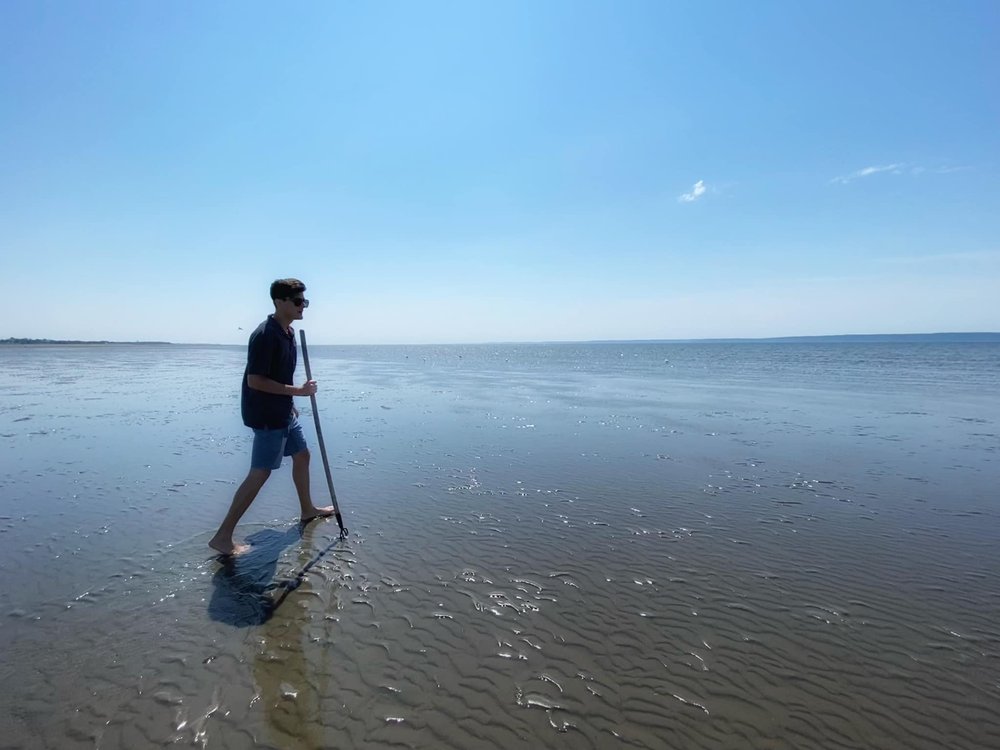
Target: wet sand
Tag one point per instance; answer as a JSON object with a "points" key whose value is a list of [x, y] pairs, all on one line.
{"points": [[541, 556]]}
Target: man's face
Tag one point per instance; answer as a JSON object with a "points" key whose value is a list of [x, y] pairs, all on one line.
{"points": [[292, 307]]}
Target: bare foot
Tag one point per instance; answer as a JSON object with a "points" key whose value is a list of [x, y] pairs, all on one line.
{"points": [[318, 513], [226, 547]]}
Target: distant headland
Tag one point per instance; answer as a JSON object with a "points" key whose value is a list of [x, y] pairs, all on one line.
{"points": [[66, 342], [975, 337], [990, 337]]}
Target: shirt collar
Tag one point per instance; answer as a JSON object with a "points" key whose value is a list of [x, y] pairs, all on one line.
{"points": [[289, 332]]}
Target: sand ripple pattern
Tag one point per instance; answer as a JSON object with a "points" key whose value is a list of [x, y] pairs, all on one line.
{"points": [[561, 564]]}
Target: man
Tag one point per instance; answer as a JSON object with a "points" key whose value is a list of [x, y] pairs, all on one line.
{"points": [[266, 404]]}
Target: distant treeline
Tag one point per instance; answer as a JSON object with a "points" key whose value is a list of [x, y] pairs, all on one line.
{"points": [[860, 338], [869, 338], [65, 341], [925, 338]]}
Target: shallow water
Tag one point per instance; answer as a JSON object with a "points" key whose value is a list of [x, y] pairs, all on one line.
{"points": [[718, 546]]}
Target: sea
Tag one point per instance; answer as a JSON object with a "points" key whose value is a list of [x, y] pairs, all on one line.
{"points": [[614, 545]]}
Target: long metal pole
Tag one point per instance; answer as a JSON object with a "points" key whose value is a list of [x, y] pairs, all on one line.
{"points": [[319, 437]]}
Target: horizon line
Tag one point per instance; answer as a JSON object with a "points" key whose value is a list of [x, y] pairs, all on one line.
{"points": [[28, 341]]}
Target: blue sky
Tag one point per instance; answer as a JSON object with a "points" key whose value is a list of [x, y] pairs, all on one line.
{"points": [[473, 171]]}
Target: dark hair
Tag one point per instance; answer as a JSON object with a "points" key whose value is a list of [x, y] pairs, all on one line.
{"points": [[285, 288]]}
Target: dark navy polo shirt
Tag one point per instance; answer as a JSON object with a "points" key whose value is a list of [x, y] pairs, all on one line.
{"points": [[271, 353]]}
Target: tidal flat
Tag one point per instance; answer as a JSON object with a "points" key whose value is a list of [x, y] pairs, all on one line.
{"points": [[567, 545]]}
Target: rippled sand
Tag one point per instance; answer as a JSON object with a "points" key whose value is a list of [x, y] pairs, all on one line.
{"points": [[537, 559]]}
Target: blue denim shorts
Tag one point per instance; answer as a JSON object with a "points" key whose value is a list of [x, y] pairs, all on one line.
{"points": [[269, 446]]}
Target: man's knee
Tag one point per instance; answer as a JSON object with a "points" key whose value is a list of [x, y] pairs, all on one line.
{"points": [[258, 476], [301, 457]]}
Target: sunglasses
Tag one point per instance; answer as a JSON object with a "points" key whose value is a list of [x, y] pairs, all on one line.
{"points": [[298, 301]]}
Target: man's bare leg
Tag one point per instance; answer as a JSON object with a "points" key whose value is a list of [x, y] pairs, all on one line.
{"points": [[222, 542], [300, 475]]}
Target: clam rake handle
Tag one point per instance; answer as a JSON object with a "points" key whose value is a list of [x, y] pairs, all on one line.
{"points": [[319, 438]]}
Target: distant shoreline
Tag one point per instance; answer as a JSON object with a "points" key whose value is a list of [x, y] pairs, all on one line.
{"points": [[849, 338], [972, 337], [67, 342]]}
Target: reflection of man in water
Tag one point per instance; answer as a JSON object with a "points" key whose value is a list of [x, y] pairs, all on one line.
{"points": [[267, 408], [291, 670]]}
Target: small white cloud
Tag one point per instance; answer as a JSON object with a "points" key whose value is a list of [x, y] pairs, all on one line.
{"points": [[868, 172], [911, 169], [696, 192]]}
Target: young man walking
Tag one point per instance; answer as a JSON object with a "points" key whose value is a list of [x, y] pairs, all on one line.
{"points": [[266, 404]]}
